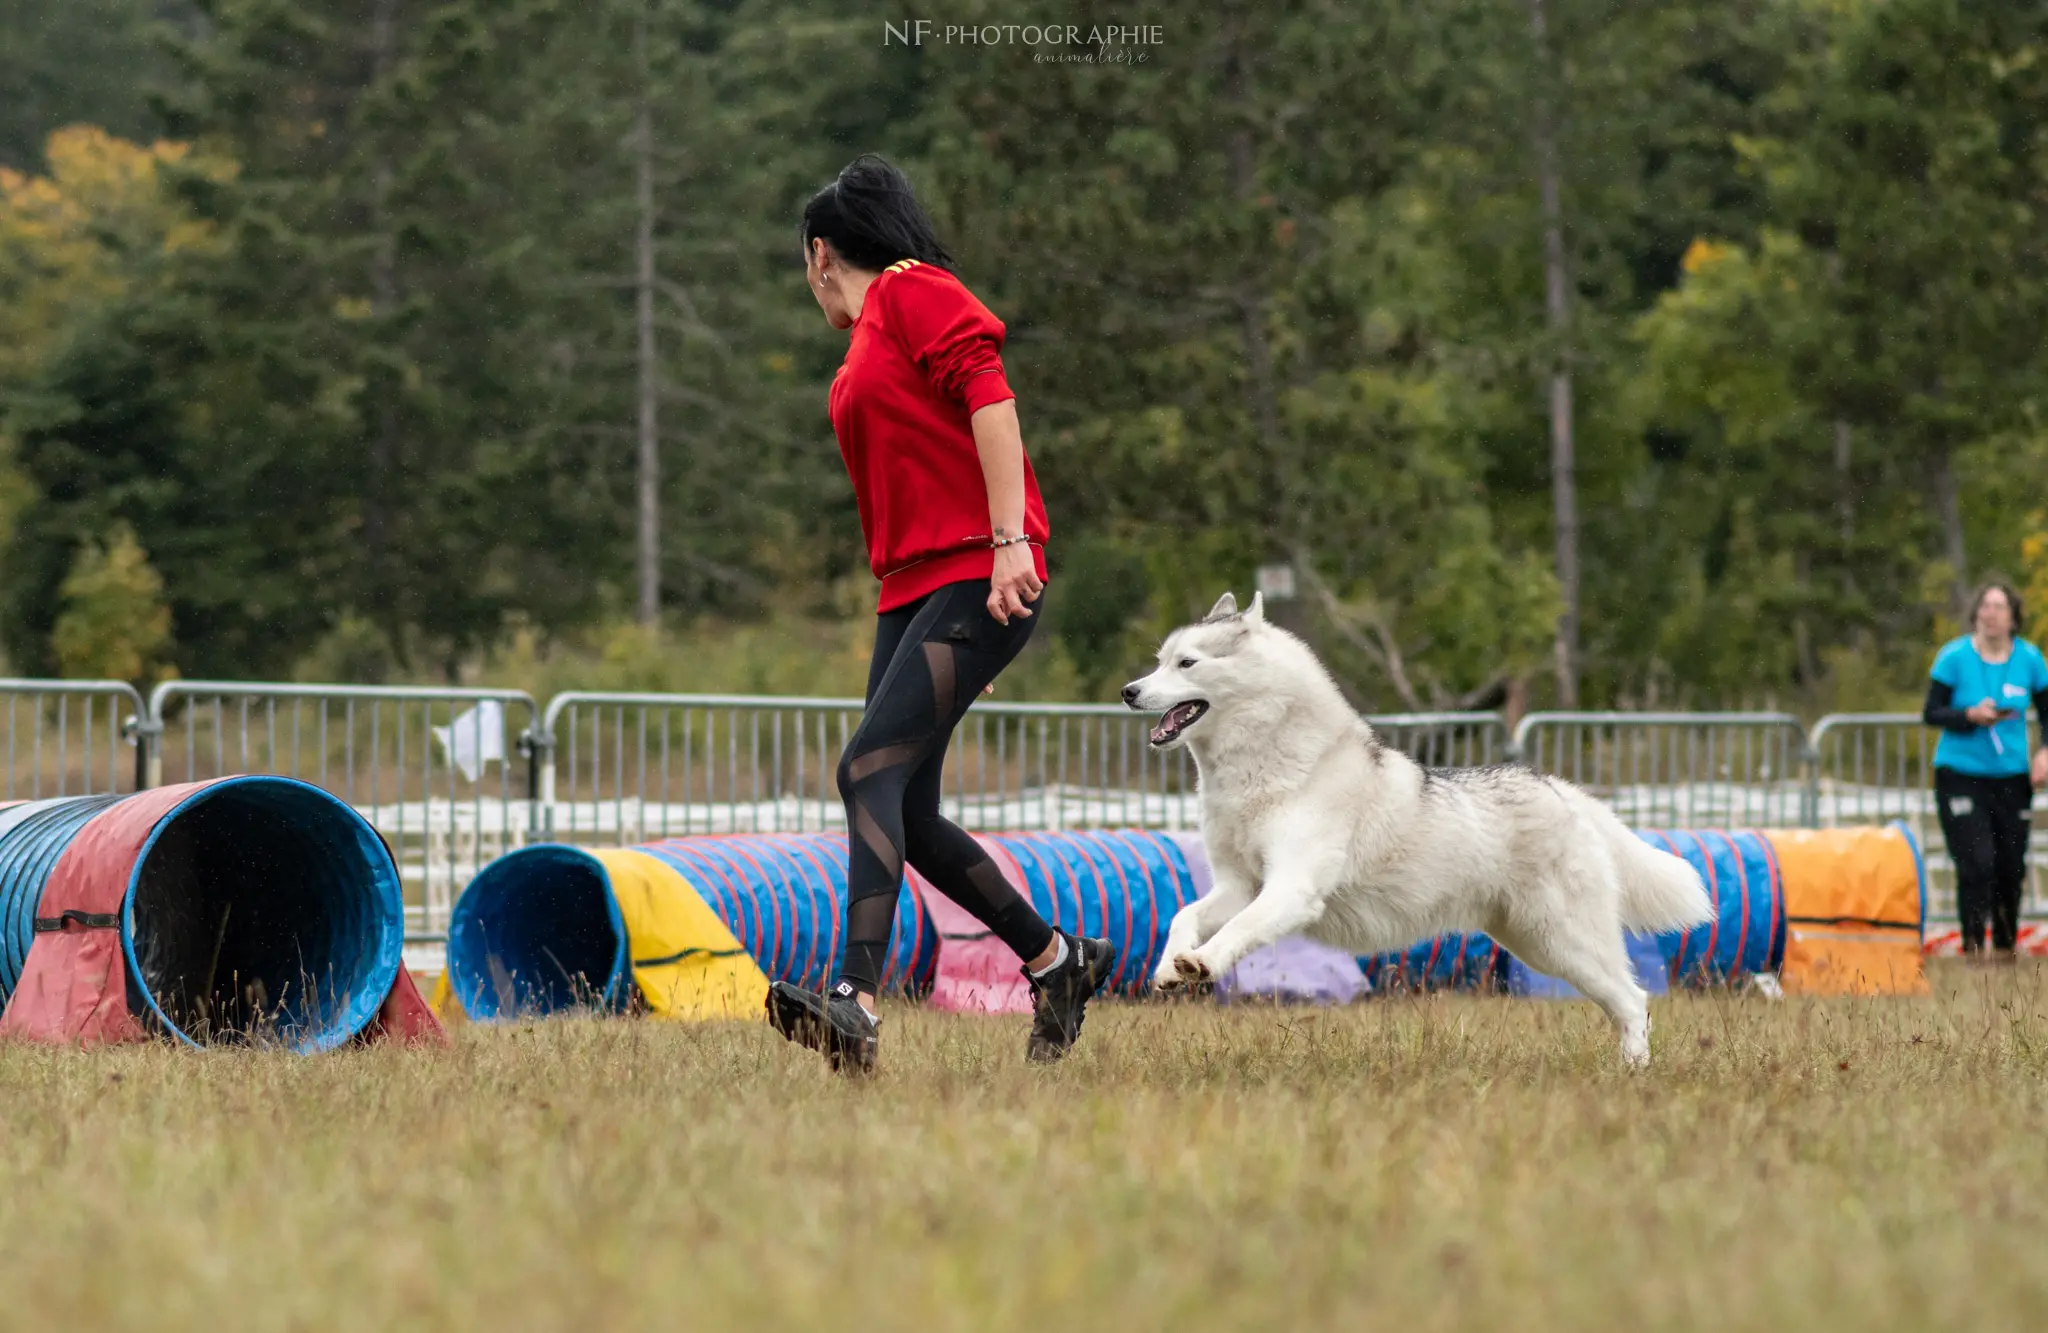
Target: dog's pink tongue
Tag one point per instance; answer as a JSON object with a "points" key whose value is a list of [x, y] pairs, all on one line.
{"points": [[1176, 717]]}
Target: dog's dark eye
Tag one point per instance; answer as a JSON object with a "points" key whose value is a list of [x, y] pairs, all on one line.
{"points": [[1186, 662]]}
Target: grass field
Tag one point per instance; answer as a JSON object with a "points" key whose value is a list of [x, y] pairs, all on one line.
{"points": [[1428, 1164]]}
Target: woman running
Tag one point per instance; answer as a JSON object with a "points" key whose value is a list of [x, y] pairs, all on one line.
{"points": [[955, 530], [1984, 779]]}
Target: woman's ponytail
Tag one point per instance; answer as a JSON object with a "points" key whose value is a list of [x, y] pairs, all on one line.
{"points": [[872, 218]]}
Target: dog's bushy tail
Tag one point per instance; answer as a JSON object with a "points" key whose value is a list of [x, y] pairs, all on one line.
{"points": [[1659, 891]]}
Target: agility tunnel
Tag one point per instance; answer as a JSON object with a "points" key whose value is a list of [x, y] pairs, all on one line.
{"points": [[1645, 955], [1123, 886], [246, 909], [1855, 911], [1827, 912], [1448, 962], [697, 927], [549, 927], [687, 927], [1745, 936]]}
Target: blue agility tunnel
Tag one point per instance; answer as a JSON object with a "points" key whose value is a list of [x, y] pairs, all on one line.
{"points": [[783, 897], [1123, 886], [1448, 962], [243, 909], [32, 836], [1652, 969], [538, 931], [1747, 934]]}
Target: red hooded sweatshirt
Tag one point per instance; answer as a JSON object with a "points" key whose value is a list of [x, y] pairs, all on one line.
{"points": [[923, 357]]}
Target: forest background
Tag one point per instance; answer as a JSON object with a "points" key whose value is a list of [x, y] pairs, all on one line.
{"points": [[1570, 352]]}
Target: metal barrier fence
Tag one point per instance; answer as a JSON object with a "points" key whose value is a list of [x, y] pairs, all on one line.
{"points": [[634, 767], [1762, 770], [71, 738], [1446, 740], [455, 777], [1871, 768], [1676, 770], [415, 761]]}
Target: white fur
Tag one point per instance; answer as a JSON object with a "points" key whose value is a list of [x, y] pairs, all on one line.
{"points": [[1314, 827]]}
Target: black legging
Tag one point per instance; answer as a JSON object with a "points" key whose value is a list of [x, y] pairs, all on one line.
{"points": [[932, 658], [1986, 822]]}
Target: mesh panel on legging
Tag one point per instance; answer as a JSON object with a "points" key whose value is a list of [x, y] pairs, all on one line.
{"points": [[891, 786]]}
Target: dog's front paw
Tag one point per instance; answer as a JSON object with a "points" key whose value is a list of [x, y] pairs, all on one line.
{"points": [[1183, 974]]}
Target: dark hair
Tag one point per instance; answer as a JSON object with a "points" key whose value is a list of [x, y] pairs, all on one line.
{"points": [[872, 219], [2012, 599]]}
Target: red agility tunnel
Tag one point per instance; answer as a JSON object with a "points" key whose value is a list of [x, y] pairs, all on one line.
{"points": [[234, 911]]}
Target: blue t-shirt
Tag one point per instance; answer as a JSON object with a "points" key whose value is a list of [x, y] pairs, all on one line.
{"points": [[1999, 750]]}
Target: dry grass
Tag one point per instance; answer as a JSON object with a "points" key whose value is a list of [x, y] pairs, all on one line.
{"points": [[1402, 1164]]}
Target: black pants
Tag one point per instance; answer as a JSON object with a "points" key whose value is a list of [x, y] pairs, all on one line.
{"points": [[932, 658], [1986, 822]]}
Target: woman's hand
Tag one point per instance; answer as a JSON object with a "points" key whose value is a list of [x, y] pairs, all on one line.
{"points": [[2039, 771], [1014, 582], [1983, 712]]}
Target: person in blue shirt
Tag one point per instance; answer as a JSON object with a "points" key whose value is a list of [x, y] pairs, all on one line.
{"points": [[1984, 778]]}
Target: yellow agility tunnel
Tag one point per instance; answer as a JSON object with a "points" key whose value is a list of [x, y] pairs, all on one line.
{"points": [[594, 928]]}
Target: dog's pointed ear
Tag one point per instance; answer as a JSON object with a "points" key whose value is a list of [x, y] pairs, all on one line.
{"points": [[1255, 614], [1225, 608]]}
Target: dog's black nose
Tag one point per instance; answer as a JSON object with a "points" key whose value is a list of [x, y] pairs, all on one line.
{"points": [[1130, 696]]}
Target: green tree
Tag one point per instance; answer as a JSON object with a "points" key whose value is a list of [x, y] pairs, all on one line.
{"points": [[130, 402], [68, 62], [1847, 387], [115, 624], [685, 362]]}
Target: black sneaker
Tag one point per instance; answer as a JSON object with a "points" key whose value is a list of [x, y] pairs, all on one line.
{"points": [[1060, 998], [836, 1025]]}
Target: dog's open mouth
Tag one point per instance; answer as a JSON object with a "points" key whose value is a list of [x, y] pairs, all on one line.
{"points": [[1178, 719]]}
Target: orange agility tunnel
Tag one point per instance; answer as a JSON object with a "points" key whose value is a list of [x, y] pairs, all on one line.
{"points": [[1855, 910]]}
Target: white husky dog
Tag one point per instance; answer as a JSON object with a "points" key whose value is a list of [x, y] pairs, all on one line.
{"points": [[1314, 827]]}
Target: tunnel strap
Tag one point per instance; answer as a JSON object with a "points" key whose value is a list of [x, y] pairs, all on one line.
{"points": [[1877, 922], [71, 916], [689, 953]]}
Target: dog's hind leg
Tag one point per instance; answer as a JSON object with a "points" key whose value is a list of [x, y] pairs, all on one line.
{"points": [[1596, 962]]}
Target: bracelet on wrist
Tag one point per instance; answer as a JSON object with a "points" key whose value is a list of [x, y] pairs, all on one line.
{"points": [[999, 542]]}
